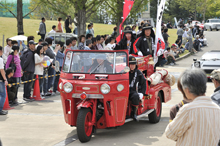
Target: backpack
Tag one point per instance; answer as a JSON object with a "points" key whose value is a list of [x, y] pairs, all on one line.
{"points": [[23, 58], [12, 64]]}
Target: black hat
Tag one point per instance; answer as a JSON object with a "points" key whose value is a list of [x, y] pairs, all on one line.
{"points": [[40, 40], [147, 26], [31, 42], [127, 29], [132, 60]]}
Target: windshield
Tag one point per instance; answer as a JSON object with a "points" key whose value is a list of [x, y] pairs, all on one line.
{"points": [[215, 21], [211, 56], [95, 62]]}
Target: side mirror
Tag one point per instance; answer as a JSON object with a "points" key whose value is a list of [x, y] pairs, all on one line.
{"points": [[126, 69], [194, 59]]}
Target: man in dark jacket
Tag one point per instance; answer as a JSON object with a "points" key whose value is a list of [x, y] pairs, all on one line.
{"points": [[67, 23], [127, 41], [28, 66], [145, 45], [137, 85]]}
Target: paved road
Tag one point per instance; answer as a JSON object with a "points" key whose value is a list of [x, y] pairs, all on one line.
{"points": [[42, 124]]}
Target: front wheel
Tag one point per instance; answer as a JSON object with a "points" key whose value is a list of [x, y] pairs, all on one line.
{"points": [[216, 29], [154, 117], [84, 125]]}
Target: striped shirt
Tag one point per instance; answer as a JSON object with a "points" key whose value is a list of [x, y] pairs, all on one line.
{"points": [[196, 124]]}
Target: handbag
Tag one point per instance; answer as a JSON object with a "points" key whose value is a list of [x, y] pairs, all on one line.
{"points": [[12, 64], [70, 25]]}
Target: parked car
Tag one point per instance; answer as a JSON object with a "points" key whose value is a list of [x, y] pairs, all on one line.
{"points": [[57, 37], [212, 24], [198, 23], [208, 62]]}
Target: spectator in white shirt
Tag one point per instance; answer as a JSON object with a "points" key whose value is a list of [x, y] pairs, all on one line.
{"points": [[39, 70], [54, 29], [169, 56], [111, 45], [7, 49]]}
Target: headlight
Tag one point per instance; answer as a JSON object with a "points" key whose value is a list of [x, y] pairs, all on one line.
{"points": [[68, 87], [120, 87], [60, 85], [197, 64], [105, 88]]}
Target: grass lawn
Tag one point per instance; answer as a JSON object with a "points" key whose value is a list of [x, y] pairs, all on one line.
{"points": [[9, 29]]}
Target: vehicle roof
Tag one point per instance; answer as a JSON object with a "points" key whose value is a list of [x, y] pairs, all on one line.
{"points": [[211, 54], [213, 19]]}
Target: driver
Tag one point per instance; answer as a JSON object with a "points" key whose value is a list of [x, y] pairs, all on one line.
{"points": [[101, 65], [137, 85]]}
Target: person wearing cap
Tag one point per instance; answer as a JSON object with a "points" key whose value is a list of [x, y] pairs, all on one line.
{"points": [[42, 28], [14, 58], [28, 67], [127, 41], [137, 86], [101, 65], [145, 45], [215, 77]]}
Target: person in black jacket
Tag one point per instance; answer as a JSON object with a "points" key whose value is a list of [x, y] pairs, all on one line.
{"points": [[28, 66], [127, 41], [145, 45], [137, 85], [67, 23]]}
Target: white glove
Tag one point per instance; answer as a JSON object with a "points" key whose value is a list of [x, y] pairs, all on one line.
{"points": [[141, 96], [140, 53]]}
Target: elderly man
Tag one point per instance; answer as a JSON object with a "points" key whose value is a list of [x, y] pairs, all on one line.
{"points": [[215, 77], [197, 123]]}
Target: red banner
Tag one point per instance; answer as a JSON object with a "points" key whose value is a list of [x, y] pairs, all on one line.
{"points": [[128, 4]]}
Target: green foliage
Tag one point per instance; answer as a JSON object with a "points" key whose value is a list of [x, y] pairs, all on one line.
{"points": [[5, 6]]}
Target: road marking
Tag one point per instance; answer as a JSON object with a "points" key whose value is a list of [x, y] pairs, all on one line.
{"points": [[35, 114]]}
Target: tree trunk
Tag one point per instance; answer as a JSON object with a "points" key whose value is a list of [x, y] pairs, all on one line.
{"points": [[19, 16], [81, 22]]}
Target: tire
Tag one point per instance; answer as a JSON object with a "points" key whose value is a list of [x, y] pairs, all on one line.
{"points": [[84, 131], [205, 29], [210, 28], [154, 117], [216, 29]]}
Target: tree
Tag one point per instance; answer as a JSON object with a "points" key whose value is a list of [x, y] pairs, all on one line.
{"points": [[9, 7], [82, 10]]}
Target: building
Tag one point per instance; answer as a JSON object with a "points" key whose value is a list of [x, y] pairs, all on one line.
{"points": [[145, 16], [5, 13]]}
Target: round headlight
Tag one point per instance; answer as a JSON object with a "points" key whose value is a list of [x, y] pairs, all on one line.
{"points": [[68, 87], [60, 85], [120, 87], [105, 88], [197, 64]]}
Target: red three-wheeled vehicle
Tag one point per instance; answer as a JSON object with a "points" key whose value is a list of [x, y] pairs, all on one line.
{"points": [[94, 89]]}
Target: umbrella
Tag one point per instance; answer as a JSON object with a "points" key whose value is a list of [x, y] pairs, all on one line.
{"points": [[19, 37]]}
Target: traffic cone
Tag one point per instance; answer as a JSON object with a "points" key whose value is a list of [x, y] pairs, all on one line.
{"points": [[36, 92], [6, 105]]}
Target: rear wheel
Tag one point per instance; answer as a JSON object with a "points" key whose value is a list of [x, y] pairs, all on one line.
{"points": [[154, 117], [216, 29], [84, 125]]}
